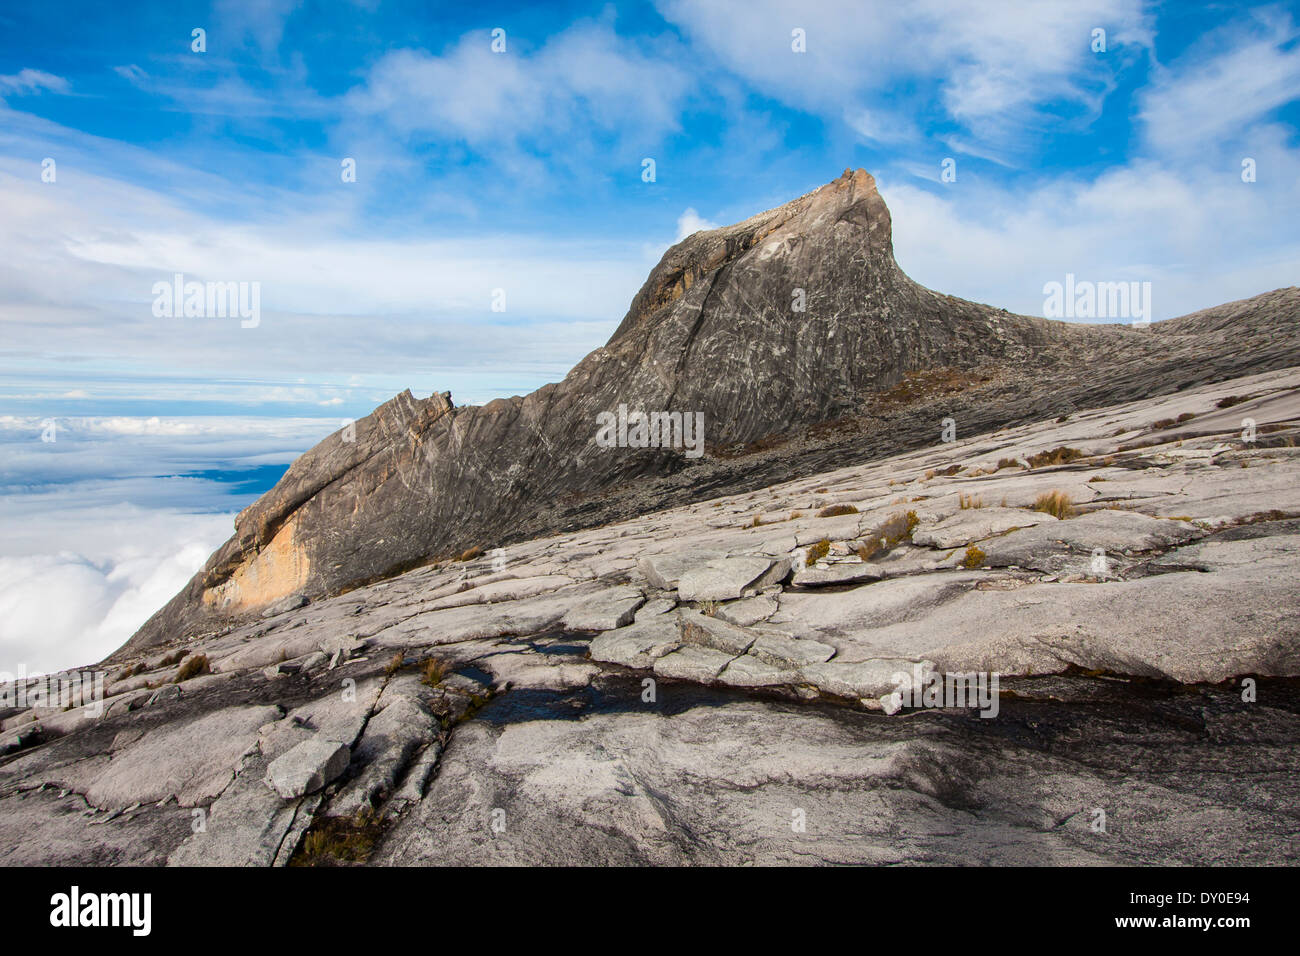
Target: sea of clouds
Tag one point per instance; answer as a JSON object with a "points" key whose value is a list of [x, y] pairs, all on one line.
{"points": [[102, 525]]}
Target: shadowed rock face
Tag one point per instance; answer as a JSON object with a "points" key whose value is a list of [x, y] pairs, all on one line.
{"points": [[714, 330]]}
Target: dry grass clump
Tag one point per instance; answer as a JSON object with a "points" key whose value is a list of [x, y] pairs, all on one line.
{"points": [[1056, 503], [196, 665], [395, 663], [335, 840], [898, 528], [1057, 456], [966, 502], [1008, 463], [1230, 401], [817, 552], [974, 557], [433, 671], [471, 554], [1171, 422], [832, 511]]}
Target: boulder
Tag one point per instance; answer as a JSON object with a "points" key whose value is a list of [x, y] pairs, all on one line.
{"points": [[307, 767], [638, 645], [610, 609], [844, 572], [724, 579], [694, 663]]}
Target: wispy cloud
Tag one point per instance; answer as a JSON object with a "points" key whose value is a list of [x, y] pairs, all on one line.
{"points": [[27, 81]]}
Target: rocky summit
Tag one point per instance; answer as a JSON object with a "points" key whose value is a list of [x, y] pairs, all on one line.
{"points": [[1059, 627], [796, 338]]}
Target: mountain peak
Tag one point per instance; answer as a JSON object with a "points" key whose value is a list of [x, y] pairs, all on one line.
{"points": [[792, 336]]}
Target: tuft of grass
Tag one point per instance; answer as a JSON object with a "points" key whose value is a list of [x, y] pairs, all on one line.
{"points": [[832, 511], [898, 528], [869, 548], [1056, 503], [757, 522], [1185, 417], [395, 664], [795, 514], [1230, 401], [710, 608], [175, 657], [1060, 455], [817, 552], [196, 665], [433, 671], [332, 840], [969, 501], [470, 554], [1008, 463], [974, 558]]}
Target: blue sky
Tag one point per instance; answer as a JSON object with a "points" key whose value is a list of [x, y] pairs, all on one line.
{"points": [[521, 171]]}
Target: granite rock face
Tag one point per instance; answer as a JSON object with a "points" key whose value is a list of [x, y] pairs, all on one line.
{"points": [[794, 334], [503, 709]]}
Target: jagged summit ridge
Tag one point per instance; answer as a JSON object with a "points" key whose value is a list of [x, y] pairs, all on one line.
{"points": [[773, 329], [707, 250]]}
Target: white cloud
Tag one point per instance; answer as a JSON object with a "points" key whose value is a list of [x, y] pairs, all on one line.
{"points": [[31, 81], [262, 20], [690, 222], [77, 604], [1221, 88], [104, 525], [986, 62], [583, 85]]}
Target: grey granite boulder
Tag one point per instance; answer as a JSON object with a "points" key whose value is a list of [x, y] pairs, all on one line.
{"points": [[637, 645], [724, 579], [307, 767], [605, 611]]}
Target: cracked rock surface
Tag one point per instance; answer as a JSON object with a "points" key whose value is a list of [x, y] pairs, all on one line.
{"points": [[696, 686]]}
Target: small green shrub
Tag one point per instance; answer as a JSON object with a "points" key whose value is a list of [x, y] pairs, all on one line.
{"points": [[974, 557]]}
